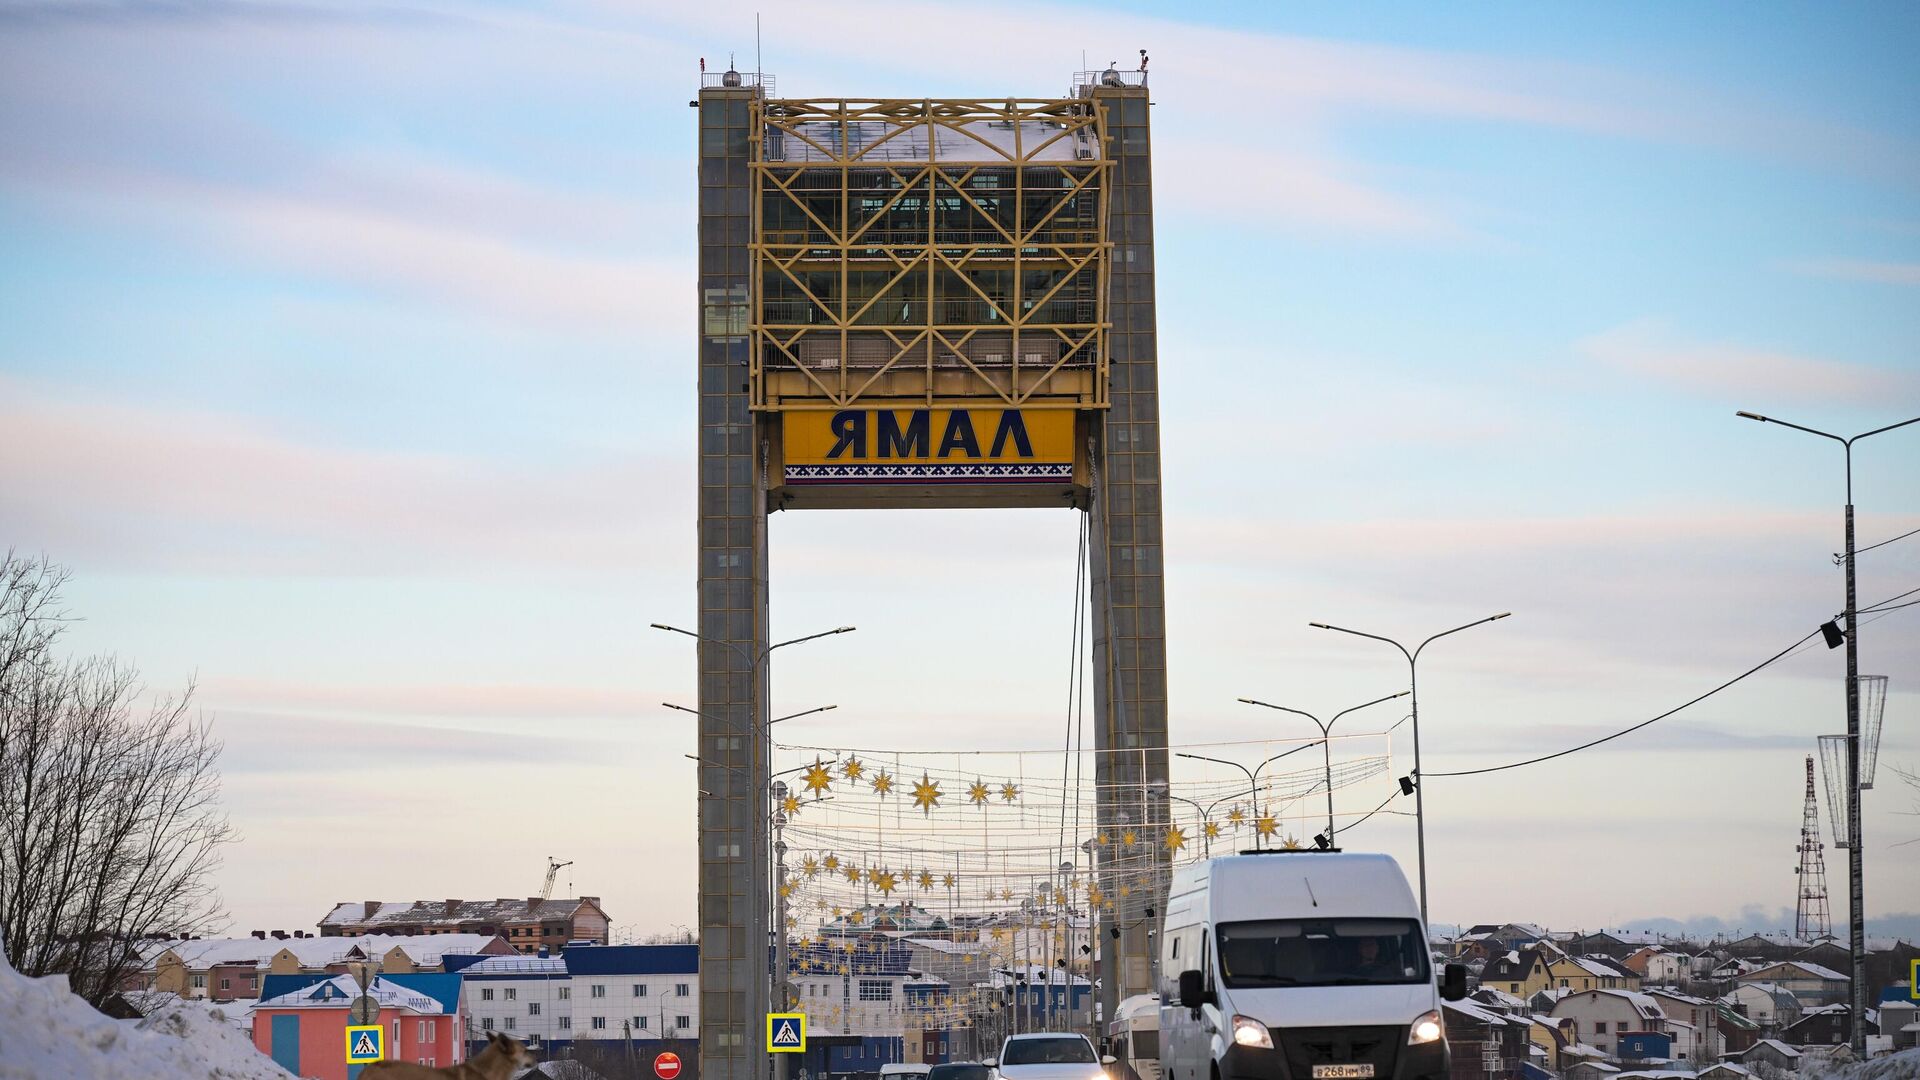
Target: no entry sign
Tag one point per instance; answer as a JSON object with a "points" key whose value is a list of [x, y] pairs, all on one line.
{"points": [[667, 1065]]}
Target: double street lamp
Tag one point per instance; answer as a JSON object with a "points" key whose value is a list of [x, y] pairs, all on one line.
{"points": [[1413, 688], [1856, 886], [1253, 776], [1326, 741]]}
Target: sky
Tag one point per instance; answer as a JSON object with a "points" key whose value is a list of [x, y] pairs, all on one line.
{"points": [[348, 362]]}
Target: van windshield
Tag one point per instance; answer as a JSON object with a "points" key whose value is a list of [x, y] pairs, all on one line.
{"points": [[1064, 1050], [1322, 952]]}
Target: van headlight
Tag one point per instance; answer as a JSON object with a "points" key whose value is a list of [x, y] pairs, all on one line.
{"points": [[1425, 1030], [1250, 1032]]}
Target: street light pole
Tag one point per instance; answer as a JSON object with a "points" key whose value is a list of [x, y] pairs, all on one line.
{"points": [[1253, 776], [1413, 688], [1167, 792], [1326, 741], [759, 839], [1856, 850]]}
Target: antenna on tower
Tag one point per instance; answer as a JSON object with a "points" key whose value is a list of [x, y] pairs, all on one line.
{"points": [[1810, 920]]}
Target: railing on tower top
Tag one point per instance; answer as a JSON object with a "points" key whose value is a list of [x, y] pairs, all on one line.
{"points": [[736, 79], [1086, 81]]}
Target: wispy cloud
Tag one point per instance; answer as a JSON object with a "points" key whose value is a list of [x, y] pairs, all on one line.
{"points": [[1881, 273], [117, 482], [1649, 349]]}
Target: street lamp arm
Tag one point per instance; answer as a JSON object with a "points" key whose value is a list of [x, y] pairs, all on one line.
{"points": [[1357, 708], [1457, 629], [1744, 415], [1284, 753], [1359, 633], [1889, 427], [804, 712], [1283, 708], [1217, 761], [811, 637]]}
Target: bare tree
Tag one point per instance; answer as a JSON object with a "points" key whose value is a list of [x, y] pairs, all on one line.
{"points": [[110, 827]]}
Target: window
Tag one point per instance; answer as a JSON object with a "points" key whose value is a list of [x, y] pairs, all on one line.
{"points": [[599, 1023], [566, 1023], [533, 1008], [1049, 1050], [486, 994], [1600, 1027], [639, 989], [566, 992], [875, 990], [510, 992], [639, 1023], [226, 983], [507, 1023], [680, 990], [486, 1023], [597, 990], [682, 1022], [1322, 952], [199, 982]]}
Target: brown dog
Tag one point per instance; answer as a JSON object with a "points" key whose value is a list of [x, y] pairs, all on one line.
{"points": [[503, 1057]]}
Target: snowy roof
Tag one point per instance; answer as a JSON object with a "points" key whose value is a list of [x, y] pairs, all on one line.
{"points": [[1727, 1067], [423, 949], [1782, 1048], [942, 945], [1669, 994], [517, 965], [505, 909], [1645, 1006], [1478, 1012], [339, 992]]}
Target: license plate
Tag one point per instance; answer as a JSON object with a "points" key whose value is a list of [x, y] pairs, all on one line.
{"points": [[1342, 1072]]}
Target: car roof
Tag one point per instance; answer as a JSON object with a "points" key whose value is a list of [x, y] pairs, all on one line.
{"points": [[1025, 1035]]}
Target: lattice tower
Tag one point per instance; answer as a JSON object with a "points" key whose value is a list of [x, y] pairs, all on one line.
{"points": [[1810, 919]]}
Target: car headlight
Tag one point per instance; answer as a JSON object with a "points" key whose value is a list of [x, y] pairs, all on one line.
{"points": [[1250, 1032], [1425, 1030]]}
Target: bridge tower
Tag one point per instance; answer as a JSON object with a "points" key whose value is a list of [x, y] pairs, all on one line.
{"points": [[1810, 915], [922, 303]]}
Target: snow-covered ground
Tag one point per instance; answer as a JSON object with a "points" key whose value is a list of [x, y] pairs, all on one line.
{"points": [[45, 1032], [1904, 1065]]}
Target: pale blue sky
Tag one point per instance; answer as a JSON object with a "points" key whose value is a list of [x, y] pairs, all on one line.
{"points": [[348, 361]]}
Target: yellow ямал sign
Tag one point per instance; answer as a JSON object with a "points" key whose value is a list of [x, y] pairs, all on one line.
{"points": [[929, 446]]}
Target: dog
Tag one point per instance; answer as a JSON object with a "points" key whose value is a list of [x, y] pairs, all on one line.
{"points": [[503, 1057]]}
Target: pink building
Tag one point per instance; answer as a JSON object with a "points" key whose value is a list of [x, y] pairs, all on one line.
{"points": [[304, 1029]]}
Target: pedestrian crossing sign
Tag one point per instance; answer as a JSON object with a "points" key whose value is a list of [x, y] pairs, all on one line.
{"points": [[786, 1033], [366, 1044]]}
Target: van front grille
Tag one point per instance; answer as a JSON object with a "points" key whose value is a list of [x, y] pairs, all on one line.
{"points": [[1307, 1047]]}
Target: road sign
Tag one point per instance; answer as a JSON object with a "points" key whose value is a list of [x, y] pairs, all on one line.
{"points": [[364, 1011], [366, 1044], [667, 1065], [1913, 979], [786, 1033]]}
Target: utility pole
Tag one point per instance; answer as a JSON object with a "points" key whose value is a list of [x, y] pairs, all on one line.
{"points": [[1856, 848], [780, 915]]}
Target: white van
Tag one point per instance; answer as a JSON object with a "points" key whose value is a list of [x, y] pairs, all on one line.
{"points": [[1299, 965]]}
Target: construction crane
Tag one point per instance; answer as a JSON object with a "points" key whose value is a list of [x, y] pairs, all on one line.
{"points": [[546, 891]]}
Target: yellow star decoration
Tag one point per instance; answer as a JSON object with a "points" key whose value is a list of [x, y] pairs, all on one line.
{"points": [[1094, 896], [838, 911], [1059, 898], [1006, 894], [871, 874], [1009, 792], [882, 784], [1176, 839], [1105, 839], [1210, 830], [979, 793], [786, 889], [810, 866], [1128, 837], [1236, 817], [885, 882], [817, 778], [1292, 843], [853, 875], [790, 805], [852, 768], [830, 863], [926, 880], [856, 918], [926, 794], [946, 881], [1265, 825], [999, 933], [1126, 890]]}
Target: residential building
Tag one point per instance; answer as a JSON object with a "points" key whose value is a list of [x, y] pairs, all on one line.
{"points": [[1552, 1038], [232, 969], [1826, 1025], [1694, 1023], [1487, 940], [1523, 972], [1772, 1053], [1811, 984], [1725, 1070], [1590, 1070], [1484, 1043], [1767, 1005], [645, 995], [1737, 1032], [304, 1028], [528, 925], [1601, 1017], [1659, 966], [1900, 1022]]}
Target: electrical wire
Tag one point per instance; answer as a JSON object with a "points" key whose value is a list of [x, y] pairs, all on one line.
{"points": [[1840, 558], [1879, 605], [1644, 723]]}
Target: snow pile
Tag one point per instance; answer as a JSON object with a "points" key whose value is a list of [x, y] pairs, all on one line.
{"points": [[1904, 1065], [48, 1032]]}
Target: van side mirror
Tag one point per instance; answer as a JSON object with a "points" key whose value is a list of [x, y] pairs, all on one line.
{"points": [[1453, 982], [991, 1063], [1108, 1059], [1193, 990]]}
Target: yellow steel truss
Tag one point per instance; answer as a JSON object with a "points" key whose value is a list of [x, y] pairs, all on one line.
{"points": [[1025, 345]]}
